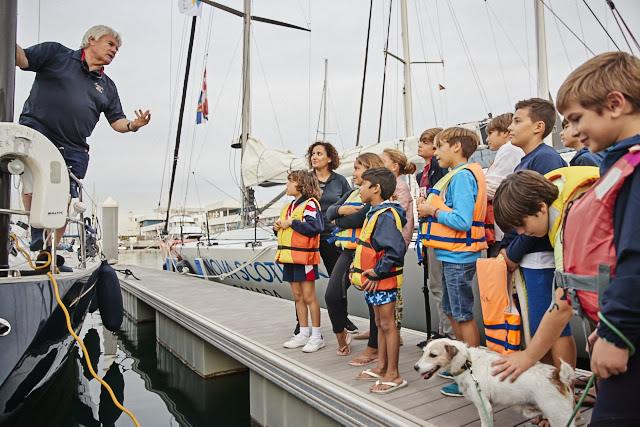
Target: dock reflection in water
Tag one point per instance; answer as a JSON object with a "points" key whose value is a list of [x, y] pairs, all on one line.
{"points": [[153, 383]]}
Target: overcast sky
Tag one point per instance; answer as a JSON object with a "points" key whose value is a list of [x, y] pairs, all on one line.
{"points": [[287, 73]]}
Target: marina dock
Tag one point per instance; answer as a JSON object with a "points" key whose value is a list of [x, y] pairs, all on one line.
{"points": [[218, 329]]}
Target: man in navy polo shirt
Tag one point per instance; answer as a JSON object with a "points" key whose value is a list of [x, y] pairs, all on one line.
{"points": [[68, 94]]}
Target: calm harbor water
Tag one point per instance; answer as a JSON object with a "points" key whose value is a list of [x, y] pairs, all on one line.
{"points": [[152, 383]]}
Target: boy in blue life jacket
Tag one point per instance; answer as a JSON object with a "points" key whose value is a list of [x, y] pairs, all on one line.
{"points": [[377, 270], [454, 226], [601, 101]]}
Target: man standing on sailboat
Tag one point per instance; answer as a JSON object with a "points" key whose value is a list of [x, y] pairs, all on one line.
{"points": [[68, 94]]}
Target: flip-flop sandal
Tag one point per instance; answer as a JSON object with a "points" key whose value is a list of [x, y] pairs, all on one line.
{"points": [[346, 350], [588, 401], [363, 361], [369, 376], [393, 386]]}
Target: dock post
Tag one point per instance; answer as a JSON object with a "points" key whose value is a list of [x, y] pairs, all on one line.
{"points": [[110, 229]]}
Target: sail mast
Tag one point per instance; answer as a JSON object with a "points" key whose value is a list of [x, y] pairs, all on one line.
{"points": [[553, 139], [247, 193], [541, 45], [8, 24], [406, 90]]}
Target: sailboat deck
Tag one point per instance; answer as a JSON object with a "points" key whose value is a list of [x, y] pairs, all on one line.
{"points": [[251, 328]]}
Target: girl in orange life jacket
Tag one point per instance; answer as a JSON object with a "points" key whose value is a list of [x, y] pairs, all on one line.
{"points": [[377, 269], [348, 214], [298, 230]]}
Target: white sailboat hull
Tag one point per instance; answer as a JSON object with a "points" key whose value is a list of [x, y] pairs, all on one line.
{"points": [[236, 263]]}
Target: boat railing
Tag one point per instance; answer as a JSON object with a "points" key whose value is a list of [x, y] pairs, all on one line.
{"points": [[79, 222]]}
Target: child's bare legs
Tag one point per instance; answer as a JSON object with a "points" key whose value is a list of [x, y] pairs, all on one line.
{"points": [[564, 348], [301, 307], [311, 302], [388, 345], [456, 327], [469, 333]]}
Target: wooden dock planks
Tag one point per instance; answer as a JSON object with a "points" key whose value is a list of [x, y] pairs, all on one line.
{"points": [[254, 320]]}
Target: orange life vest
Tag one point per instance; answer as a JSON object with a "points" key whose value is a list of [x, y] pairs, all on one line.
{"points": [[366, 257], [499, 314], [439, 236], [294, 247]]}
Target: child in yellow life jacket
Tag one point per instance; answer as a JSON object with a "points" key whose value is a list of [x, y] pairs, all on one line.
{"points": [[454, 226], [348, 214], [377, 270], [298, 230]]}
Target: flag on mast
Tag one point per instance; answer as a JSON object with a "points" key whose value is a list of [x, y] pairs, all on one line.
{"points": [[202, 114], [190, 7]]}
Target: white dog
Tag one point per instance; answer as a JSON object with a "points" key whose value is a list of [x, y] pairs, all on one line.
{"points": [[542, 389]]}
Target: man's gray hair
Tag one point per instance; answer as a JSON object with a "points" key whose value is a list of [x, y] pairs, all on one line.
{"points": [[98, 31]]}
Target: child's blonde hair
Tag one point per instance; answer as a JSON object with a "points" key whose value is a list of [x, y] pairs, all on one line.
{"points": [[500, 123], [468, 139], [590, 83], [397, 156], [370, 160], [306, 183], [430, 134]]}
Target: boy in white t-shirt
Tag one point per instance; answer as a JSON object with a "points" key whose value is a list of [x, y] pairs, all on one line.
{"points": [[507, 158]]}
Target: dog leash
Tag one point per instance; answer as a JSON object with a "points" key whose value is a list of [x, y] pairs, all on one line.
{"points": [[467, 366], [592, 378]]}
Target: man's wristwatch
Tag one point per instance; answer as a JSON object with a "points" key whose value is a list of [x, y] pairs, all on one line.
{"points": [[130, 128]]}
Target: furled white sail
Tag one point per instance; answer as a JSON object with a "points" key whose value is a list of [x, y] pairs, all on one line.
{"points": [[264, 166]]}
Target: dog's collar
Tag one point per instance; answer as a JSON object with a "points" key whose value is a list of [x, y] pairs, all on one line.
{"points": [[466, 366]]}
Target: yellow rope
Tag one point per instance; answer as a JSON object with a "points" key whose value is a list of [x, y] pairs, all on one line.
{"points": [[27, 256], [86, 354]]}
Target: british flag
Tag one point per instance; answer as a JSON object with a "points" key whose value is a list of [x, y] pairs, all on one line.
{"points": [[202, 114]]}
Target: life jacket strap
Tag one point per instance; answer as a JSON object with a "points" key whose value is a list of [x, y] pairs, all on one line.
{"points": [[398, 272], [291, 248]]}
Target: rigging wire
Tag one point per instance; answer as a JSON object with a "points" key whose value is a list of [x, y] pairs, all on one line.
{"points": [[614, 8], [474, 71], [600, 23], [335, 112], [428, 74], [384, 68], [440, 45], [567, 27], [364, 74], [564, 46], [172, 104], [266, 83], [495, 44], [615, 18], [579, 15]]}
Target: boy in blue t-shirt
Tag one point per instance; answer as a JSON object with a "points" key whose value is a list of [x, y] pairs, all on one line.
{"points": [[454, 227], [533, 121]]}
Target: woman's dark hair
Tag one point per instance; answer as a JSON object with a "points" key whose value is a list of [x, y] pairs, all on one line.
{"points": [[332, 153]]}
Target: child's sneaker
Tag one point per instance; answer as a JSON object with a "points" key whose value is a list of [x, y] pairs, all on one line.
{"points": [[451, 390], [314, 344], [445, 374], [296, 341]]}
